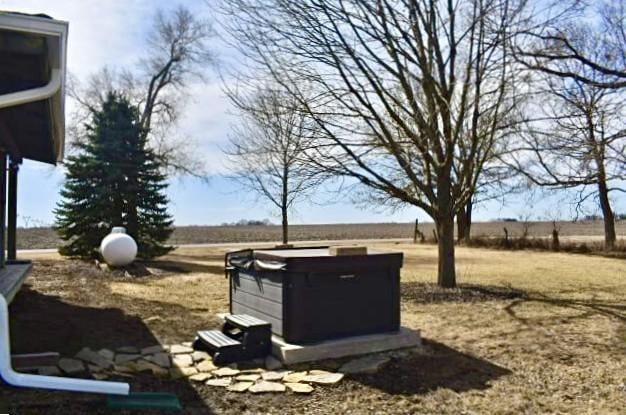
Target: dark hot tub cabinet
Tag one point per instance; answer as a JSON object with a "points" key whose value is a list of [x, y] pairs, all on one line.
{"points": [[309, 295]]}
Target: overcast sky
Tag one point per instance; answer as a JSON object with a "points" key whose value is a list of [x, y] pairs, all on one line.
{"points": [[112, 33]]}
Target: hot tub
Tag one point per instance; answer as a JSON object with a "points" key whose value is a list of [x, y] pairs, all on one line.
{"points": [[309, 295]]}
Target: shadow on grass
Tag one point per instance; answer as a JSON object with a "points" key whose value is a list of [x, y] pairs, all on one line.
{"points": [[440, 367], [46, 323], [182, 266], [588, 307], [429, 293]]}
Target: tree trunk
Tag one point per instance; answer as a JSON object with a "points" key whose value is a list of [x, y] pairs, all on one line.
{"points": [[556, 245], [444, 222], [607, 214], [132, 215], [285, 226], [446, 276], [461, 225], [284, 207], [464, 223]]}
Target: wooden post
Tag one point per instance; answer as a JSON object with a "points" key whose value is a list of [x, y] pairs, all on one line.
{"points": [[3, 200], [12, 211], [555, 237], [417, 233]]}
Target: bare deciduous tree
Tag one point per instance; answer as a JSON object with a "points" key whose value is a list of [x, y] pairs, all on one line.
{"points": [[555, 49], [177, 52], [580, 140], [410, 96], [268, 147]]}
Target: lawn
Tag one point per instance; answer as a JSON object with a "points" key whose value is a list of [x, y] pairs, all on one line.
{"points": [[526, 332]]}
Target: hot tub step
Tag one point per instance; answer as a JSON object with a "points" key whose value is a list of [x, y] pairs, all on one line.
{"points": [[244, 321], [216, 339], [242, 337], [223, 348], [254, 333]]}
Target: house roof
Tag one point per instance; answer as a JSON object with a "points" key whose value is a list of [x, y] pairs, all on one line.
{"points": [[32, 86]]}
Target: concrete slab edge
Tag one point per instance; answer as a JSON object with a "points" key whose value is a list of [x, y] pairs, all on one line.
{"points": [[345, 347]]}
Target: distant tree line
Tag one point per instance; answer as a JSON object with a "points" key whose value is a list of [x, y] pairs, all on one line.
{"points": [[249, 222]]}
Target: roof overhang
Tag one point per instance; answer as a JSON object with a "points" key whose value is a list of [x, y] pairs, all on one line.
{"points": [[32, 86]]}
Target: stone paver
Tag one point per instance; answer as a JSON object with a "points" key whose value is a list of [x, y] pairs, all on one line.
{"points": [[253, 377], [107, 354], [122, 358], [206, 366], [125, 368], [161, 359], [239, 386], [182, 360], [299, 388], [319, 372], [200, 377], [367, 365], [265, 386], [144, 365], [226, 371], [222, 382], [199, 356], [294, 377], [153, 349], [71, 366], [323, 378], [275, 375], [96, 358], [180, 349]]}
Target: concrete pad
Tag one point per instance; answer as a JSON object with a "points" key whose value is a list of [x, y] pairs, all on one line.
{"points": [[348, 346]]}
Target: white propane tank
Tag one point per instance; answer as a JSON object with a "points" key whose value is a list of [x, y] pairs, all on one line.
{"points": [[118, 248]]}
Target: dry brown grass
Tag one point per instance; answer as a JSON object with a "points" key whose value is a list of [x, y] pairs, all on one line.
{"points": [[526, 332]]}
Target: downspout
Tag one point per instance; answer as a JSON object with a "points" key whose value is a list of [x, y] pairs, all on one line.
{"points": [[46, 382]]}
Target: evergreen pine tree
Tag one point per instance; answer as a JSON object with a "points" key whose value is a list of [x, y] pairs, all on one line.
{"points": [[114, 179]]}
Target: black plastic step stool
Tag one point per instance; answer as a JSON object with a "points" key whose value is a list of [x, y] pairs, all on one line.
{"points": [[243, 337]]}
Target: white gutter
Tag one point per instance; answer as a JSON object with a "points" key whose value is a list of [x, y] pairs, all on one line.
{"points": [[46, 382], [35, 94], [50, 28]]}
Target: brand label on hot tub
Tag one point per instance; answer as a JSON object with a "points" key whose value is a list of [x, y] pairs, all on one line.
{"points": [[347, 276]]}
